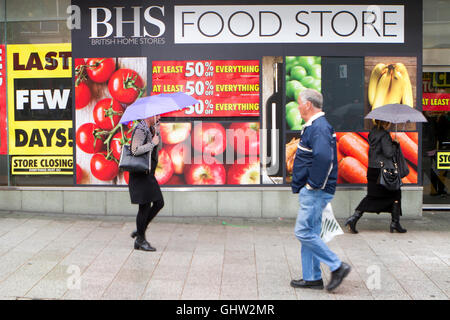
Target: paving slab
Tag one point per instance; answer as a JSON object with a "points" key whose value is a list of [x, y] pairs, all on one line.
{"points": [[58, 256]]}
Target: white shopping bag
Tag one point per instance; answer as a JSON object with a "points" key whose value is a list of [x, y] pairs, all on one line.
{"points": [[330, 227]]}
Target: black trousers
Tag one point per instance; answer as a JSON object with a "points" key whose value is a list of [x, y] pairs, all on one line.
{"points": [[146, 214]]}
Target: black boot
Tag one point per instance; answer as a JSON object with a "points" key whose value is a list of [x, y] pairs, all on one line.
{"points": [[141, 244], [351, 221], [395, 224], [133, 234]]}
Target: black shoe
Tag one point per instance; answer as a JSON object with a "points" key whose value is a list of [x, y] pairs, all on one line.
{"points": [[142, 244], [316, 284], [133, 234], [338, 275], [351, 221], [395, 223]]}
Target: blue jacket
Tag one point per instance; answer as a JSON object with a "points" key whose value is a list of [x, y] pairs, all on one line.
{"points": [[315, 161]]}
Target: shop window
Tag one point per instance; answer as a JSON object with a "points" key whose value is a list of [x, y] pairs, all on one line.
{"points": [[30, 23], [436, 27]]}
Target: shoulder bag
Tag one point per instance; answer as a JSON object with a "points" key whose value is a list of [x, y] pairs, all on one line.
{"points": [[133, 164], [390, 178]]}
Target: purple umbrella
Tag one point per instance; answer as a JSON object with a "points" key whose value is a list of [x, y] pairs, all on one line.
{"points": [[150, 106]]}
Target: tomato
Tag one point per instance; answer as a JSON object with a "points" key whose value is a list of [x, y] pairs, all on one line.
{"points": [[88, 139], [100, 69], [125, 85], [79, 173], [117, 142], [82, 95], [107, 113], [102, 168]]}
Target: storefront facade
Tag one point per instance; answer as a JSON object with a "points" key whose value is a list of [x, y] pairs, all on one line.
{"points": [[231, 155]]}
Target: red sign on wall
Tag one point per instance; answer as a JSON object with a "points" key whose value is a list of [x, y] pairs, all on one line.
{"points": [[436, 101], [225, 88], [3, 137]]}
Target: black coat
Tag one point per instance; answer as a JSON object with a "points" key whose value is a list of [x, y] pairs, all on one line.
{"points": [[144, 188], [381, 148]]}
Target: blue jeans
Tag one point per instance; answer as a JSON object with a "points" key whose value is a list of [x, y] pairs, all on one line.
{"points": [[307, 230]]}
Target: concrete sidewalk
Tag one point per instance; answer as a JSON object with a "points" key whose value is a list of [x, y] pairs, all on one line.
{"points": [[74, 257]]}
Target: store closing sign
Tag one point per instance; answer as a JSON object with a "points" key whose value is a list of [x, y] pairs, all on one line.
{"points": [[443, 160], [40, 108], [289, 24]]}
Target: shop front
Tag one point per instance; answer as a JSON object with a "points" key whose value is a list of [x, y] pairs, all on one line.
{"points": [[436, 107], [232, 153]]}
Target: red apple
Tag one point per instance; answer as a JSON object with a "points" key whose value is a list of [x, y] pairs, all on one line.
{"points": [[245, 138], [209, 138], [179, 153], [244, 171], [173, 133], [204, 173], [164, 169], [176, 180]]}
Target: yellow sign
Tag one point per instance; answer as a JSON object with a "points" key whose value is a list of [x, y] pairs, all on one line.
{"points": [[40, 99], [443, 160], [42, 165]]}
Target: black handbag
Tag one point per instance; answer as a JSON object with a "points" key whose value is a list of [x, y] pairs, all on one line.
{"points": [[133, 164], [390, 178]]}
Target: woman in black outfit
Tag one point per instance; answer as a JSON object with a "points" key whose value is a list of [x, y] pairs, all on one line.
{"points": [[144, 188], [378, 198]]}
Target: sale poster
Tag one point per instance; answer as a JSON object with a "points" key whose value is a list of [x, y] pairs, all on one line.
{"points": [[3, 134], [40, 109], [436, 101], [225, 88]]}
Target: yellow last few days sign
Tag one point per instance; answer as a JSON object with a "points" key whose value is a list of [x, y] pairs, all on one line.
{"points": [[443, 160], [40, 99]]}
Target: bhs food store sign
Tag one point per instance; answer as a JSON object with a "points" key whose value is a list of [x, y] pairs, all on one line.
{"points": [[289, 24], [250, 24]]}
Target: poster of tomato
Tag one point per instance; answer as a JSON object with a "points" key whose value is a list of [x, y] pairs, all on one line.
{"points": [[3, 137], [104, 87], [353, 155]]}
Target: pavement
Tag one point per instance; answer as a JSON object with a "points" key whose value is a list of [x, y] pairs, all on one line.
{"points": [[81, 257]]}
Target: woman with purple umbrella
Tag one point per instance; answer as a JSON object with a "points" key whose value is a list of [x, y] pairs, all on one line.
{"points": [[144, 188]]}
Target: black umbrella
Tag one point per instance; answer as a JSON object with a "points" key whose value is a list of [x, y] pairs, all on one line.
{"points": [[396, 113]]}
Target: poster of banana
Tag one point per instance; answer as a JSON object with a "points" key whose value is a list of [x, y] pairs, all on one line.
{"points": [[390, 80]]}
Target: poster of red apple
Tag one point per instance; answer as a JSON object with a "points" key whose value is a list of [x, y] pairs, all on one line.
{"points": [[225, 88], [209, 153], [104, 88]]}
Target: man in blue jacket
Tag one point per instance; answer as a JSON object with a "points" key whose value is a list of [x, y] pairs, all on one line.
{"points": [[314, 177]]}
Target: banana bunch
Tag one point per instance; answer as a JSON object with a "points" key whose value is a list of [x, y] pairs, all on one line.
{"points": [[390, 84]]}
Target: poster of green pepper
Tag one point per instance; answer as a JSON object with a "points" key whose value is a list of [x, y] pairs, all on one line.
{"points": [[301, 72]]}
